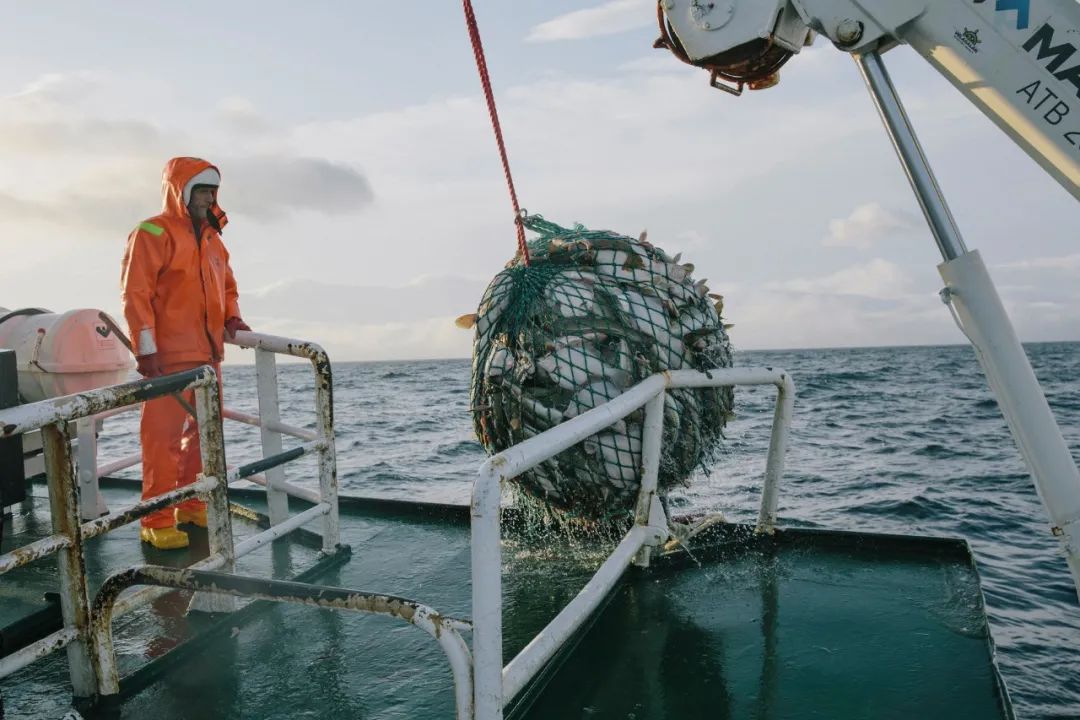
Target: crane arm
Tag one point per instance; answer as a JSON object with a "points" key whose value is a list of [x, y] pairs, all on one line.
{"points": [[1018, 61]]}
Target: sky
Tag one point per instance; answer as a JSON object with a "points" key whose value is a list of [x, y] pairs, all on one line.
{"points": [[366, 200]]}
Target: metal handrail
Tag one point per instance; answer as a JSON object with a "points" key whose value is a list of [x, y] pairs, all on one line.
{"points": [[268, 420], [442, 628], [494, 685], [52, 417], [321, 442], [32, 416], [277, 490]]}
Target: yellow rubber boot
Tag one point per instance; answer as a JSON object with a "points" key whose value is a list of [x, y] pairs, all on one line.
{"points": [[196, 517], [166, 538]]}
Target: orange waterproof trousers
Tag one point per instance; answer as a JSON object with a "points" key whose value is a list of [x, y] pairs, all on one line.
{"points": [[170, 449]]}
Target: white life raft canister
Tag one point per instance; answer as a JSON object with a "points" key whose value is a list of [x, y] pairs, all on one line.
{"points": [[63, 353]]}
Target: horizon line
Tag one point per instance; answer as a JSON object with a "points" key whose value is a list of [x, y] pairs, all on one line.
{"points": [[289, 361]]}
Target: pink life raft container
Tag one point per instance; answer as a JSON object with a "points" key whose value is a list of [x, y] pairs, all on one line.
{"points": [[62, 353]]}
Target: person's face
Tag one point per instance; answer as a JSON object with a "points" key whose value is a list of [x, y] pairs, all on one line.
{"points": [[201, 200]]}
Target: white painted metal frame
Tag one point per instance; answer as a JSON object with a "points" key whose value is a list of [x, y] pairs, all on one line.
{"points": [[446, 631], [53, 417], [494, 685], [321, 441], [277, 501], [269, 421], [278, 490]]}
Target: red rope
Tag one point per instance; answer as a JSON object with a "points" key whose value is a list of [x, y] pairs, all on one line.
{"points": [[481, 65]]}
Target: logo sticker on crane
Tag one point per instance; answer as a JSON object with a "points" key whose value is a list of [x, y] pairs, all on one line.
{"points": [[1022, 8], [969, 39]]}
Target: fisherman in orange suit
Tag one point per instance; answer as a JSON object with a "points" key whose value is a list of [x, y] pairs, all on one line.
{"points": [[180, 302]]}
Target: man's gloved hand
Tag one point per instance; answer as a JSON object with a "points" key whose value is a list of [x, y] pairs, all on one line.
{"points": [[232, 325], [149, 365]]}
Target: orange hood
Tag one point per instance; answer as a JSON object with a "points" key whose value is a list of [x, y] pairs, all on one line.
{"points": [[177, 174]]}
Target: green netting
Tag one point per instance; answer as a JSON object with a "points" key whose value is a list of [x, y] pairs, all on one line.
{"points": [[592, 315]]}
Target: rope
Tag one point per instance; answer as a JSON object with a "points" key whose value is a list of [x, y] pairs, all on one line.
{"points": [[485, 80]]}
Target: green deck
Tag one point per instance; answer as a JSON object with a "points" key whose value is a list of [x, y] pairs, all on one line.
{"points": [[807, 624]]}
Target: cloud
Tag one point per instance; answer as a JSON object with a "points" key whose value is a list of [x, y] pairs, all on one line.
{"points": [[768, 319], [1042, 293], [878, 279], [112, 197], [1062, 263], [354, 322], [613, 17], [622, 142], [657, 63], [95, 199], [427, 339], [424, 298], [867, 225], [240, 116], [56, 115], [690, 240], [105, 214], [53, 89], [868, 304], [82, 136], [880, 303], [91, 170], [267, 187]]}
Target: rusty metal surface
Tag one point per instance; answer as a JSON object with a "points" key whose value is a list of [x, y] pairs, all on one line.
{"points": [[202, 486], [271, 675], [42, 648], [328, 481], [443, 629], [202, 642], [324, 409], [219, 523], [34, 551], [136, 599], [66, 521], [53, 418], [90, 672], [263, 589], [20, 419]]}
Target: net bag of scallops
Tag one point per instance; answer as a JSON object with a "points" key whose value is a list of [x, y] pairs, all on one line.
{"points": [[592, 314]]}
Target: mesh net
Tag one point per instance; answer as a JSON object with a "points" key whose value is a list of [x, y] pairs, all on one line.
{"points": [[593, 314]]}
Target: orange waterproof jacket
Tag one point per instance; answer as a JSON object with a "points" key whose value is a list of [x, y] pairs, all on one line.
{"points": [[178, 290]]}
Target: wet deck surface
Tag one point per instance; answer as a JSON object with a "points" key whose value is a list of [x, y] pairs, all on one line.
{"points": [[798, 629], [810, 625]]}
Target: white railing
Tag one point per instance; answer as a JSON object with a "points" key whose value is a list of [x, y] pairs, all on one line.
{"points": [[272, 429], [494, 685], [74, 524], [91, 469], [67, 542]]}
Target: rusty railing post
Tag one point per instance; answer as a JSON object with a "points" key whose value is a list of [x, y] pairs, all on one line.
{"points": [[66, 521], [219, 525]]}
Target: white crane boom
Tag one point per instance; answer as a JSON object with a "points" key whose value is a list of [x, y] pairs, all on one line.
{"points": [[1017, 60]]}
